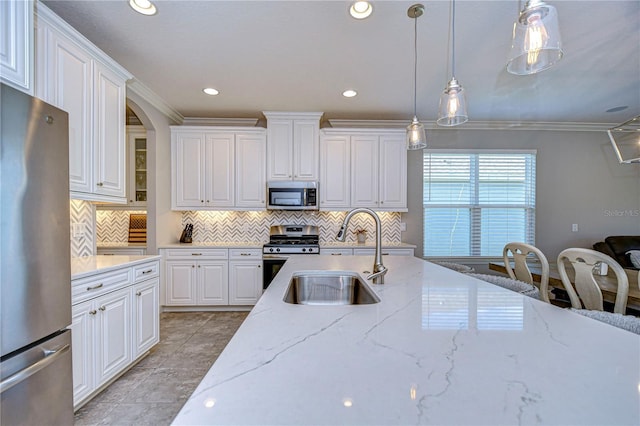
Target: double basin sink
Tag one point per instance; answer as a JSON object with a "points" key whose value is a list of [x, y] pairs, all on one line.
{"points": [[329, 288]]}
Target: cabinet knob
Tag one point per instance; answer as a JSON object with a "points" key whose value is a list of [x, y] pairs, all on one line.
{"points": [[138, 293], [102, 308], [207, 201], [193, 266], [259, 266], [131, 201], [198, 266], [93, 312], [99, 183]]}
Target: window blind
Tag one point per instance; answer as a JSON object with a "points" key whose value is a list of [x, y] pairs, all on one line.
{"points": [[477, 201]]}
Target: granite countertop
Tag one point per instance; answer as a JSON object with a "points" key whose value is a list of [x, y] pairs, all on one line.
{"points": [[90, 265], [440, 348]]}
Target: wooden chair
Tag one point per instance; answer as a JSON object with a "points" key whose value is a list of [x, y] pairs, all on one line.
{"points": [[586, 289], [521, 271], [521, 287]]}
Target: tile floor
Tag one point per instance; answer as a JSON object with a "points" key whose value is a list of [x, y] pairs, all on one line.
{"points": [[154, 390]]}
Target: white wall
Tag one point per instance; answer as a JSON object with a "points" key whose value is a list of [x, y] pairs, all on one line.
{"points": [[578, 181]]}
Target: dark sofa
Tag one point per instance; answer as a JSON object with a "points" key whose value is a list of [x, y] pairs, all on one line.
{"points": [[618, 246]]}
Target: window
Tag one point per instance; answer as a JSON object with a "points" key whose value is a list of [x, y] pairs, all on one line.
{"points": [[477, 201]]}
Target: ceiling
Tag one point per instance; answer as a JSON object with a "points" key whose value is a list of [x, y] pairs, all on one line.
{"points": [[301, 56]]}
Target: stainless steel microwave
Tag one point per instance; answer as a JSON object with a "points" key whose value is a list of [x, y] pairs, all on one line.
{"points": [[292, 195]]}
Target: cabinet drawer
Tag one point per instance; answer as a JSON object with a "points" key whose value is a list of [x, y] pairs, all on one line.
{"points": [[146, 271], [94, 286], [183, 254], [385, 252], [337, 251], [245, 254]]}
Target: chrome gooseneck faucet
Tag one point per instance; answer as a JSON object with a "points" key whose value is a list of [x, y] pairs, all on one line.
{"points": [[379, 270]]}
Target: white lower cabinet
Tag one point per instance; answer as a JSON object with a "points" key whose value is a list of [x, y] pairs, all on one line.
{"points": [[115, 319], [245, 276], [146, 312], [366, 251], [212, 277]]}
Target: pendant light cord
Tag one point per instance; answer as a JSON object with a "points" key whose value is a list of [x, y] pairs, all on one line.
{"points": [[453, 39], [415, 64]]}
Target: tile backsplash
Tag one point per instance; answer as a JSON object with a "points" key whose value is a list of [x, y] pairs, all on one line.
{"points": [[112, 226], [243, 226], [82, 214]]}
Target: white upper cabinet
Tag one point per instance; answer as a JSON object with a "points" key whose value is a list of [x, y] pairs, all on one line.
{"points": [[293, 145], [74, 75], [16, 44], [219, 168], [363, 168], [335, 172]]}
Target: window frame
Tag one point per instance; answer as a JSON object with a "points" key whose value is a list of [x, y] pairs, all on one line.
{"points": [[475, 207]]}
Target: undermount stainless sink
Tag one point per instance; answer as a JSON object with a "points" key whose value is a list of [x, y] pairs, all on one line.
{"points": [[329, 288]]}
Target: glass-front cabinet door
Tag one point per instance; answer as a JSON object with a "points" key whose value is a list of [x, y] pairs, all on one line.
{"points": [[137, 141]]}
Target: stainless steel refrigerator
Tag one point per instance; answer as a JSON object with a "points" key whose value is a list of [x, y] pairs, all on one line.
{"points": [[35, 275]]}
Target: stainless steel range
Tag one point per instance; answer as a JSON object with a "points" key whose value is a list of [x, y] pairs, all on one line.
{"points": [[285, 240]]}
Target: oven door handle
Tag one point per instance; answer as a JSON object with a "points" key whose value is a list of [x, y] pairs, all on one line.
{"points": [[274, 257]]}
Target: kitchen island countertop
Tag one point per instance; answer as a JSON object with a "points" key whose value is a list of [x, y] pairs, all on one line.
{"points": [[90, 265], [440, 348]]}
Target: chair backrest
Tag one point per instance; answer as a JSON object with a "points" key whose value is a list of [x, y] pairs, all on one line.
{"points": [[521, 271], [521, 287], [583, 262]]}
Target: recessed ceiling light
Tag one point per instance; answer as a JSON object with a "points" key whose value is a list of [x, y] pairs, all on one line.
{"points": [[210, 91], [361, 9], [143, 6], [350, 93]]}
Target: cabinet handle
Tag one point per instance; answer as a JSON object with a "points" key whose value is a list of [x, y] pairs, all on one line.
{"points": [[193, 266], [138, 293], [196, 254], [202, 201], [336, 254], [245, 254], [148, 271], [381, 202], [198, 266], [131, 201], [102, 308], [385, 254], [99, 184], [93, 312], [93, 287]]}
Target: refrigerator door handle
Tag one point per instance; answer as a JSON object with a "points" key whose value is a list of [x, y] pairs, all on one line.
{"points": [[50, 356]]}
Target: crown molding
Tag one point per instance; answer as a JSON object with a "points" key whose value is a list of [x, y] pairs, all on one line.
{"points": [[156, 101], [199, 121], [476, 125]]}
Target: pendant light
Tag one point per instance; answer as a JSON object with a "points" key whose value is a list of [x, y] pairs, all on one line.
{"points": [[416, 136], [453, 102], [536, 43]]}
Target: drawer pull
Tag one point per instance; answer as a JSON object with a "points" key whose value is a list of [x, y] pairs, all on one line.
{"points": [[93, 312], [336, 254], [102, 308], [245, 254], [93, 287], [196, 254], [148, 271]]}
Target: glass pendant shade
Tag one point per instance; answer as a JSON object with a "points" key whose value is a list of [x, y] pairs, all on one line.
{"points": [[536, 43], [453, 105], [416, 135]]}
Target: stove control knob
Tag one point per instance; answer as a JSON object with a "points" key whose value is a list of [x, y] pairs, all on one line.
{"points": [[278, 250], [310, 249], [304, 249], [271, 250]]}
